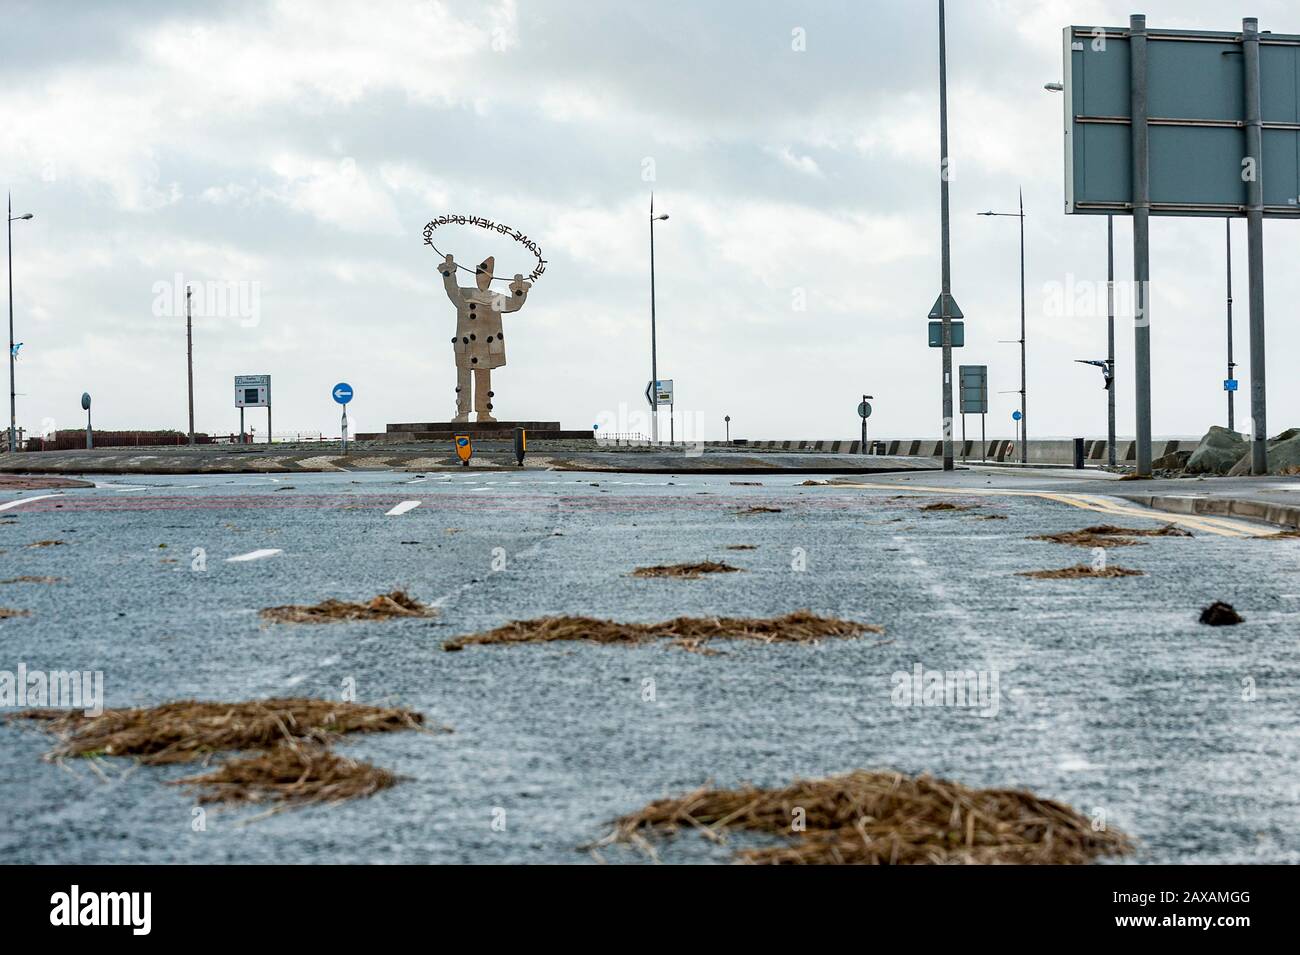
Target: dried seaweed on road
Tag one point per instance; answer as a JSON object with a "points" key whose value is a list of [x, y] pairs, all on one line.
{"points": [[384, 607], [1082, 570], [688, 633], [192, 729], [989, 517], [686, 571], [742, 547], [1109, 535], [746, 483], [946, 506], [876, 818], [1220, 614], [291, 774], [29, 579], [49, 543], [1282, 535], [8, 613], [760, 509]]}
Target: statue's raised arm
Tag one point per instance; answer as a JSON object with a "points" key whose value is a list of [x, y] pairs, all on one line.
{"points": [[448, 270], [518, 294]]}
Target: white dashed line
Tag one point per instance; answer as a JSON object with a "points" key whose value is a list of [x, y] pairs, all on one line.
{"points": [[255, 555], [403, 508], [23, 500]]}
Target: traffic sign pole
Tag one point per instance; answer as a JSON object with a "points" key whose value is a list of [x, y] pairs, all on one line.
{"points": [[1255, 245], [945, 252], [342, 393], [1138, 131]]}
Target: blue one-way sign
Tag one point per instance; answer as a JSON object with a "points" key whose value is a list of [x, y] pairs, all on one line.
{"points": [[342, 392]]}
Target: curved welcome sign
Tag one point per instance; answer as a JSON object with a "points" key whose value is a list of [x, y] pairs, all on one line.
{"points": [[498, 227]]}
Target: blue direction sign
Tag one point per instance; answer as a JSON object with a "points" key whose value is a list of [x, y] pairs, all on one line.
{"points": [[342, 392], [1230, 384], [1016, 416]]}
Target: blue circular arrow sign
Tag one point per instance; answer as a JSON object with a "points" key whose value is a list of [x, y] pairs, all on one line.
{"points": [[1015, 416], [342, 392]]}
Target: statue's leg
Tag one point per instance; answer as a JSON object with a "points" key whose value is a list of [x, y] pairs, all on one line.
{"points": [[462, 395], [483, 394]]}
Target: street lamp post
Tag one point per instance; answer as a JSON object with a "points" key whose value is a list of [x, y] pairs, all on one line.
{"points": [[654, 354], [1024, 414], [13, 401]]}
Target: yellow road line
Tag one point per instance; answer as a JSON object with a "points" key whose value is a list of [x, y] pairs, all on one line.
{"points": [[1224, 527]]}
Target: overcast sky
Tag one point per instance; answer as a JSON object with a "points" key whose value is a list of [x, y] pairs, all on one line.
{"points": [[297, 149]]}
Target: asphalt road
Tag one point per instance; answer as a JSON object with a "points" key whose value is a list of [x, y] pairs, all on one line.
{"points": [[1111, 696]]}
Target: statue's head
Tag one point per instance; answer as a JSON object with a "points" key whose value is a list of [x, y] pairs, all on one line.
{"points": [[483, 274]]}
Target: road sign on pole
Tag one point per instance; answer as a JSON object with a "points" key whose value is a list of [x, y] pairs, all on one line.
{"points": [[974, 380], [253, 391], [90, 435], [342, 393]]}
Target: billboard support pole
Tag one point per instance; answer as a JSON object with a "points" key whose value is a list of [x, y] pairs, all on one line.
{"points": [[1110, 338], [1141, 238], [1232, 417], [945, 297], [1255, 244]]}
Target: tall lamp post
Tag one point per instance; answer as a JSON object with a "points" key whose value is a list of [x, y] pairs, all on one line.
{"points": [[13, 401], [1058, 87], [1024, 415], [654, 353]]}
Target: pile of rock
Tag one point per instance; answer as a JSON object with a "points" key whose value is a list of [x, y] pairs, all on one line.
{"points": [[1225, 452]]}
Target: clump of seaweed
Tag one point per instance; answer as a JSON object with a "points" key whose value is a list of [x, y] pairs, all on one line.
{"points": [[1082, 570], [189, 730], [1109, 535], [946, 506], [877, 818], [760, 509], [290, 774], [688, 633], [384, 607], [8, 613], [686, 571]]}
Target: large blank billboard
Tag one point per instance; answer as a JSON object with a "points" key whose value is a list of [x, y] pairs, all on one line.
{"points": [[1195, 115]]}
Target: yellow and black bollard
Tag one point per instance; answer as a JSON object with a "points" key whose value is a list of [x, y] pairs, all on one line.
{"points": [[464, 450]]}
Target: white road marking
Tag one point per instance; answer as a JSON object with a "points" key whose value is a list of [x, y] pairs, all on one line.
{"points": [[255, 555], [403, 508], [23, 500]]}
